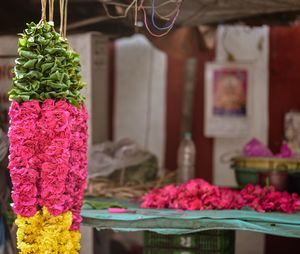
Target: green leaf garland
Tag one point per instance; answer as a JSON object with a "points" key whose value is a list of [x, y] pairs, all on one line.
{"points": [[47, 68]]}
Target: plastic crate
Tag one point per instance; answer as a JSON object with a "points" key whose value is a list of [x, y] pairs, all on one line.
{"points": [[169, 251], [206, 242], [183, 251]]}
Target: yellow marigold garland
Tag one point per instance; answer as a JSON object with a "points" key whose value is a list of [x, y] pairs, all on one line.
{"points": [[44, 233]]}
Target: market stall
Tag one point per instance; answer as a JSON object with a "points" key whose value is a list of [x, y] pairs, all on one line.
{"points": [[199, 149]]}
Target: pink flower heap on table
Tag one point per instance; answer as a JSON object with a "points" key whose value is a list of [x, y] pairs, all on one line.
{"points": [[198, 194]]}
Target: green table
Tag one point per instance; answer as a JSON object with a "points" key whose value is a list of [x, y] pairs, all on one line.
{"points": [[175, 222]]}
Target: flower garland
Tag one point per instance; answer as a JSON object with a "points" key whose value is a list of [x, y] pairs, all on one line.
{"points": [[44, 233], [48, 143], [47, 68], [198, 194]]}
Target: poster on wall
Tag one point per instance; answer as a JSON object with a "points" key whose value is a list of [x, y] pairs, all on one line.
{"points": [[227, 100], [6, 75], [292, 131]]}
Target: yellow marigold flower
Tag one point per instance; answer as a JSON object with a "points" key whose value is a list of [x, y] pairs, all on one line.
{"points": [[47, 234]]}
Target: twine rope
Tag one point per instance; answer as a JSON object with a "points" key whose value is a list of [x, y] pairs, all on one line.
{"points": [[51, 10], [61, 10], [65, 18], [63, 7], [44, 9]]}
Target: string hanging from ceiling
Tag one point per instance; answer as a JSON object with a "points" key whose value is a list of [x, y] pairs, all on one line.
{"points": [[170, 17]]}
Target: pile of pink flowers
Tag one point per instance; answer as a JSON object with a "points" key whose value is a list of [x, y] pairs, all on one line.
{"points": [[198, 194], [48, 162]]}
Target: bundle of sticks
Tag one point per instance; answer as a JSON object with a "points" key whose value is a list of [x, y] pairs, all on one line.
{"points": [[103, 187]]}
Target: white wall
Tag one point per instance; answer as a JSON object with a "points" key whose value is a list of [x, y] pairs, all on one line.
{"points": [[249, 45], [93, 50], [8, 45], [140, 94]]}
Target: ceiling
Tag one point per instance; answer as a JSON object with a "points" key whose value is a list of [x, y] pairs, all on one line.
{"points": [[89, 15]]}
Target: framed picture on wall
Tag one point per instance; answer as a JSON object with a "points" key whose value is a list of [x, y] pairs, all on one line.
{"points": [[228, 91]]}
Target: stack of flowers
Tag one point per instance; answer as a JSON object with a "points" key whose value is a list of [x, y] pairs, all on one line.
{"points": [[198, 194], [48, 143]]}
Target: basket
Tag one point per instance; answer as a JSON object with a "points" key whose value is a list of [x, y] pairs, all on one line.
{"points": [[206, 242], [264, 171], [266, 164]]}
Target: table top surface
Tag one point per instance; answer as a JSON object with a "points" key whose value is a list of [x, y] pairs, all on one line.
{"points": [[168, 221]]}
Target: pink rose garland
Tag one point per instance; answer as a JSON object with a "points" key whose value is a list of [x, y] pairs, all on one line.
{"points": [[198, 194], [78, 161], [25, 190], [48, 161]]}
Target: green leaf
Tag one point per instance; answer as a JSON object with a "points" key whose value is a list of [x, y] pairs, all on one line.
{"points": [[23, 42], [56, 85], [20, 61], [73, 102], [56, 51], [34, 86], [21, 86], [28, 54], [30, 39], [100, 205], [25, 97], [55, 76], [47, 67], [33, 75], [30, 64]]}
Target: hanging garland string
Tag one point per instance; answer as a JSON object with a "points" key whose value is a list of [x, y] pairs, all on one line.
{"points": [[177, 10], [65, 19], [139, 6], [128, 8], [61, 10], [136, 13], [168, 27], [149, 29], [51, 10], [63, 7], [44, 9]]}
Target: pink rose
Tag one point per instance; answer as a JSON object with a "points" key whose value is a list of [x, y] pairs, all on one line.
{"points": [[24, 199], [77, 219], [48, 105], [58, 148], [21, 130], [63, 105], [52, 187], [14, 110], [52, 170], [16, 161], [25, 211], [28, 110], [56, 120], [23, 176]]}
